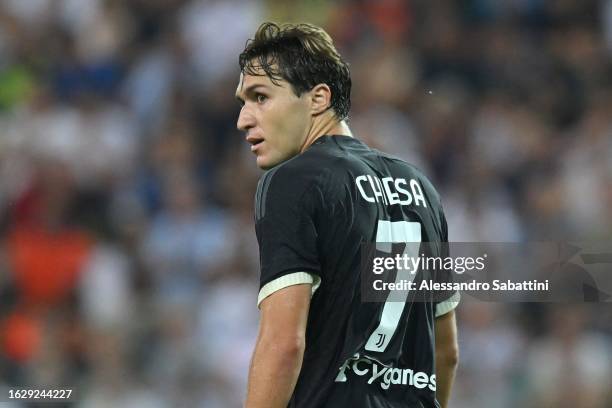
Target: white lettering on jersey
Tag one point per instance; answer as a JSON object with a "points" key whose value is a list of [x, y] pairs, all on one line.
{"points": [[391, 195], [385, 375], [398, 183], [360, 180], [390, 191], [417, 192], [378, 193]]}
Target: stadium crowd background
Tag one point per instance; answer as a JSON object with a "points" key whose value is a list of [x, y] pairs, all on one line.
{"points": [[128, 261]]}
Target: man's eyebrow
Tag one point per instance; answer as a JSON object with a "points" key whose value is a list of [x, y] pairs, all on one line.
{"points": [[248, 90]]}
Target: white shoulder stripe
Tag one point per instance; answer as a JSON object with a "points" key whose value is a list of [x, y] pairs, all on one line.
{"points": [[296, 278]]}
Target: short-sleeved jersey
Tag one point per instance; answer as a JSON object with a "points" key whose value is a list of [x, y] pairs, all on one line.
{"points": [[312, 215]]}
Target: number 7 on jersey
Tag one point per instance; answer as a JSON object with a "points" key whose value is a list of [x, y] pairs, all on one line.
{"points": [[388, 233]]}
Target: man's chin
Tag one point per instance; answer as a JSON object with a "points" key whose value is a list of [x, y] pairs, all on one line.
{"points": [[263, 163], [266, 163]]}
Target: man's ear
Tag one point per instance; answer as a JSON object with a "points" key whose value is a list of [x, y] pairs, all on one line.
{"points": [[321, 98]]}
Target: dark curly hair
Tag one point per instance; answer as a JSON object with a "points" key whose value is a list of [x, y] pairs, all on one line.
{"points": [[303, 55]]}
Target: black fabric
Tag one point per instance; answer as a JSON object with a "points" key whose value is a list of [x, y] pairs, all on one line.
{"points": [[311, 216]]}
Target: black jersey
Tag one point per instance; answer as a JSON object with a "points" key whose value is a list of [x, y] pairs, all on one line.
{"points": [[313, 213]]}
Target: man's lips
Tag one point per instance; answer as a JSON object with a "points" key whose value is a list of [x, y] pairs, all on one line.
{"points": [[255, 141]]}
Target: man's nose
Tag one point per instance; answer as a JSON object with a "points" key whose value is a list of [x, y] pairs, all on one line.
{"points": [[246, 120]]}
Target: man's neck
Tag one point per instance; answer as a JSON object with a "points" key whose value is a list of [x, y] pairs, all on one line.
{"points": [[327, 124]]}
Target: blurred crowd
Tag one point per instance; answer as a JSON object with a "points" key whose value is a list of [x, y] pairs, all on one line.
{"points": [[128, 260]]}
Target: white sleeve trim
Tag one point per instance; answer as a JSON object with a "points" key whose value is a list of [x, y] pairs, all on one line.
{"points": [[296, 278], [449, 304]]}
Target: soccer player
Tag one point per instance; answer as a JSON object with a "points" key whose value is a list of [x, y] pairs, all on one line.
{"points": [[324, 194]]}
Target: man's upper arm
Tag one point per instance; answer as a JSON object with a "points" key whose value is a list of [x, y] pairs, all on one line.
{"points": [[446, 333], [284, 314], [296, 278], [447, 305], [446, 301]]}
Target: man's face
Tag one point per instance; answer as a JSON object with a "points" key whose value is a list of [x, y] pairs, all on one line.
{"points": [[275, 120]]}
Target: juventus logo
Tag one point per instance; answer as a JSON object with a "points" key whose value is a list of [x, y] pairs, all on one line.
{"points": [[381, 339]]}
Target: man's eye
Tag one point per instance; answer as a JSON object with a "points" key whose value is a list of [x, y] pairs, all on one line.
{"points": [[261, 98]]}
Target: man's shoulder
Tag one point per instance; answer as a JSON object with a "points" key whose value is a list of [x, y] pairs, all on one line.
{"points": [[401, 166], [289, 181], [314, 166], [291, 174]]}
